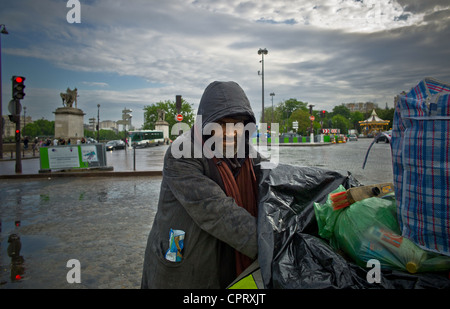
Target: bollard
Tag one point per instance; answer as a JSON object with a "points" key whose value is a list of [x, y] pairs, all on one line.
{"points": [[134, 158]]}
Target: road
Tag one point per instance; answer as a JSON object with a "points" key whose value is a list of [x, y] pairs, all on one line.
{"points": [[103, 222], [348, 157]]}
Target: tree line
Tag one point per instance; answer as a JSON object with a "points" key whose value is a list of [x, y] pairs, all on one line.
{"points": [[43, 128], [288, 111], [284, 113]]}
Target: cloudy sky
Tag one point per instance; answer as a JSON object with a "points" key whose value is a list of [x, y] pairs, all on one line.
{"points": [[138, 52]]}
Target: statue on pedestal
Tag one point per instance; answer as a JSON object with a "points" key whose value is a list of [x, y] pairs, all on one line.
{"points": [[161, 115], [162, 125], [69, 118], [69, 97]]}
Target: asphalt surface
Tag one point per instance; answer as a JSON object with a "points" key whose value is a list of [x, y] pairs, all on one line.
{"points": [[103, 221]]}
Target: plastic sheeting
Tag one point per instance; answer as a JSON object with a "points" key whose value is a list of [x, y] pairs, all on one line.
{"points": [[291, 253]]}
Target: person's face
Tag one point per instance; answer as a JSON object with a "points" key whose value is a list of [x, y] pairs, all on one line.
{"points": [[231, 132]]}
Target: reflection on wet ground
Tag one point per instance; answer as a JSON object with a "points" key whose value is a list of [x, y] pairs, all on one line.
{"points": [[102, 222]]}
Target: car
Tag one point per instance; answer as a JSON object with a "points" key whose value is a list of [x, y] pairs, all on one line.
{"points": [[352, 137], [114, 145], [383, 137]]}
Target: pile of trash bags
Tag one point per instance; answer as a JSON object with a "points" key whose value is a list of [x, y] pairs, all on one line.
{"points": [[305, 243]]}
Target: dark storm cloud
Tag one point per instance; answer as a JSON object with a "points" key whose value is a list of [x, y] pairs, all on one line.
{"points": [[322, 52]]}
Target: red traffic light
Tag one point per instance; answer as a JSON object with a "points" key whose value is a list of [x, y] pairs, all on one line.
{"points": [[18, 87], [17, 131]]}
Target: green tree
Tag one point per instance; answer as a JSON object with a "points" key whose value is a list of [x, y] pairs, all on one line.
{"points": [[355, 118], [151, 114], [282, 112], [40, 127], [302, 116], [340, 122], [104, 135], [386, 114], [341, 110]]}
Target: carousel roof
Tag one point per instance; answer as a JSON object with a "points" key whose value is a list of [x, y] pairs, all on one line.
{"points": [[374, 118]]}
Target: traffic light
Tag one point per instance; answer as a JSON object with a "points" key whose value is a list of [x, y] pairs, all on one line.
{"points": [[17, 135], [13, 118], [178, 103], [17, 87], [322, 114]]}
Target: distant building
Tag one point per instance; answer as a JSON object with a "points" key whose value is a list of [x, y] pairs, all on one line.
{"points": [[10, 127], [104, 125], [109, 125], [361, 107]]}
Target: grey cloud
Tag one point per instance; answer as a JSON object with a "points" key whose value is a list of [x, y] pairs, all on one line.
{"points": [[184, 46], [421, 6]]}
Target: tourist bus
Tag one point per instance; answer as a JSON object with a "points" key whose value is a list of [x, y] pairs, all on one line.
{"points": [[145, 138]]}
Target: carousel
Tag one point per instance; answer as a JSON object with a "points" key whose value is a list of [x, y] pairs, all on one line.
{"points": [[373, 124]]}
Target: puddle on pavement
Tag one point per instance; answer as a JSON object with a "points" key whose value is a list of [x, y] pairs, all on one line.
{"points": [[17, 254], [104, 223]]}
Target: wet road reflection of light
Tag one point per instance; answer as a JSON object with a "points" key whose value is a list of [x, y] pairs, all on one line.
{"points": [[102, 222]]}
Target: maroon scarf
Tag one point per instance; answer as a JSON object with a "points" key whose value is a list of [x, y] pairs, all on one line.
{"points": [[244, 190]]}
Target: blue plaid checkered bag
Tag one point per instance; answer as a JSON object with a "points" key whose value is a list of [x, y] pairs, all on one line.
{"points": [[420, 147]]}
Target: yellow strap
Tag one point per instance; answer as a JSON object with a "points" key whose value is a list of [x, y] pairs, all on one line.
{"points": [[246, 283]]}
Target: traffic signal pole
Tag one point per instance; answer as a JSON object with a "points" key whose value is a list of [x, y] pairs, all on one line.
{"points": [[18, 94], [18, 158]]}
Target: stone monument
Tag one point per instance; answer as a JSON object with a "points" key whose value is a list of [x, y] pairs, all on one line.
{"points": [[69, 120], [162, 125]]}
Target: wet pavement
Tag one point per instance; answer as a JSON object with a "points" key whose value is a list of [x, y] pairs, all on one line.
{"points": [[142, 159], [103, 222]]}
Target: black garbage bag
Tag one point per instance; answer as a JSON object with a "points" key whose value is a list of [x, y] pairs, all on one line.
{"points": [[291, 253]]}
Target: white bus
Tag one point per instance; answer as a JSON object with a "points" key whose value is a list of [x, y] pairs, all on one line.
{"points": [[145, 138]]}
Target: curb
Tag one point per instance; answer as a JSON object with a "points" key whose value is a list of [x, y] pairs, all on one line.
{"points": [[84, 174]]}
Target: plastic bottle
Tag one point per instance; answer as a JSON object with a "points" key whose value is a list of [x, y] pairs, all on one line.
{"points": [[394, 250]]}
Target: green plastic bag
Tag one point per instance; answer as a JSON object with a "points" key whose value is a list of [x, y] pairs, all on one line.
{"points": [[369, 229]]}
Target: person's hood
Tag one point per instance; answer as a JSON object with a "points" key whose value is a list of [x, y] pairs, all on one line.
{"points": [[224, 99]]}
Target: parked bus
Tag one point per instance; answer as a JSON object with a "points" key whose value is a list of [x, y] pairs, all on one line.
{"points": [[145, 138]]}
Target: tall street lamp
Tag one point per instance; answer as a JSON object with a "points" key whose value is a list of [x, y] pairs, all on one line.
{"points": [[98, 123], [272, 95], [24, 118], [262, 52], [2, 31]]}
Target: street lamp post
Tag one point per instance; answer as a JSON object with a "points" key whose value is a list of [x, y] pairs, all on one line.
{"points": [[2, 31], [24, 118], [272, 94], [98, 123], [262, 52]]}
